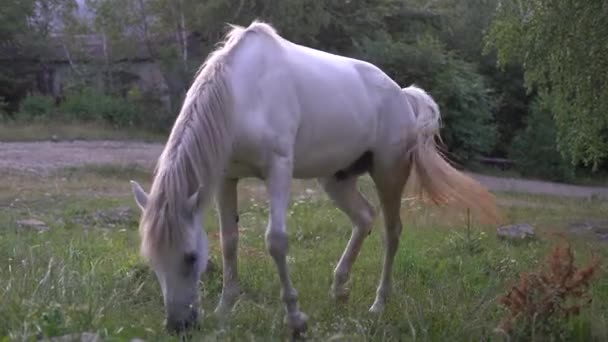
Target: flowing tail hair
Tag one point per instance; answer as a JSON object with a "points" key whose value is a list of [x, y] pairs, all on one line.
{"points": [[440, 180]]}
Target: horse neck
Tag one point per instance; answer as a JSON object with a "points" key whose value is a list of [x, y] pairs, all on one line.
{"points": [[175, 178], [201, 139]]}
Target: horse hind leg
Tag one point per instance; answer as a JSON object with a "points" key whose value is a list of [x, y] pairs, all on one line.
{"points": [[390, 182], [346, 197]]}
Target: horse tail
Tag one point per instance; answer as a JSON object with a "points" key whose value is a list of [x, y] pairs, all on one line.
{"points": [[440, 180]]}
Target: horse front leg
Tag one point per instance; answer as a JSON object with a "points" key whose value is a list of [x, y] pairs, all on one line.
{"points": [[278, 185], [229, 235]]}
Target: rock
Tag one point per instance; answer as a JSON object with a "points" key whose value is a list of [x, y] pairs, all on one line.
{"points": [[599, 228], [601, 233], [519, 231], [84, 337], [33, 224]]}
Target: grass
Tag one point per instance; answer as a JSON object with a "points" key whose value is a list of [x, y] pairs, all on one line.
{"points": [[85, 275], [66, 131]]}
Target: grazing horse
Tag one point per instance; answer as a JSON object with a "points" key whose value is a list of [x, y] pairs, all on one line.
{"points": [[262, 106]]}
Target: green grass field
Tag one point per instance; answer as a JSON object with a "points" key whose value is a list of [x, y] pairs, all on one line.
{"points": [[84, 274]]}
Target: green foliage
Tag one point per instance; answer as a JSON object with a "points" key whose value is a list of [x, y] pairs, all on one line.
{"points": [[463, 25], [467, 106], [87, 105], [512, 104], [36, 107], [534, 148], [134, 110], [90, 105], [3, 111], [13, 18], [561, 43], [25, 48], [462, 29]]}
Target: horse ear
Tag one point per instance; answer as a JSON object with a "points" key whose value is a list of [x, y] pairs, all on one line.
{"points": [[141, 198], [195, 201]]}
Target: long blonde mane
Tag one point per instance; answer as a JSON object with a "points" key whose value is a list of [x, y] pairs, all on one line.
{"points": [[197, 148]]}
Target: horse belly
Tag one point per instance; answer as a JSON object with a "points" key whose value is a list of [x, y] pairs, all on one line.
{"points": [[329, 163], [330, 149]]}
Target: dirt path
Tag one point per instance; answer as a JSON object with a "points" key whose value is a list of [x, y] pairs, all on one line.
{"points": [[541, 187], [43, 157]]}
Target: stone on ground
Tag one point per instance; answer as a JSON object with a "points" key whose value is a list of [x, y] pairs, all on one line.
{"points": [[520, 231]]}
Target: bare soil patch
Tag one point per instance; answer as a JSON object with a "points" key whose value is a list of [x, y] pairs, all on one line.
{"points": [[45, 157]]}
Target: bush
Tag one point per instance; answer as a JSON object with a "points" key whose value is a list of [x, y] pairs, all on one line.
{"points": [[534, 148], [3, 109], [36, 107], [135, 110], [466, 105], [90, 105], [541, 301]]}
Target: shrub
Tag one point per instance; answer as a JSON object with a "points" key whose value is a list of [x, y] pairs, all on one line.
{"points": [[534, 149], [137, 109], [3, 109], [466, 106], [541, 300], [35, 107], [90, 105]]}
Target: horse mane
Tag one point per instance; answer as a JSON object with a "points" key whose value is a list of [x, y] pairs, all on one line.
{"points": [[197, 148]]}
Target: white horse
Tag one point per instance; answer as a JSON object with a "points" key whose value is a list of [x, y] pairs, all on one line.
{"points": [[262, 106]]}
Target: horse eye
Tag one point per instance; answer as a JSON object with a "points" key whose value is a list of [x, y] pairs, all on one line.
{"points": [[190, 258]]}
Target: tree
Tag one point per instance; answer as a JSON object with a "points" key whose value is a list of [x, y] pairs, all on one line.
{"points": [[25, 26], [534, 148], [562, 45], [14, 16]]}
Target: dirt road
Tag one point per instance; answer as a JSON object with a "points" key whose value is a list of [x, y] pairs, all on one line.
{"points": [[44, 157]]}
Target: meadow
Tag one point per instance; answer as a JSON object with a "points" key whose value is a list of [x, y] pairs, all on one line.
{"points": [[83, 272]]}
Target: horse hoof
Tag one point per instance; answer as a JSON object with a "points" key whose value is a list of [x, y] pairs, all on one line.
{"points": [[222, 310], [297, 323], [377, 307], [339, 289], [227, 302], [340, 295]]}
